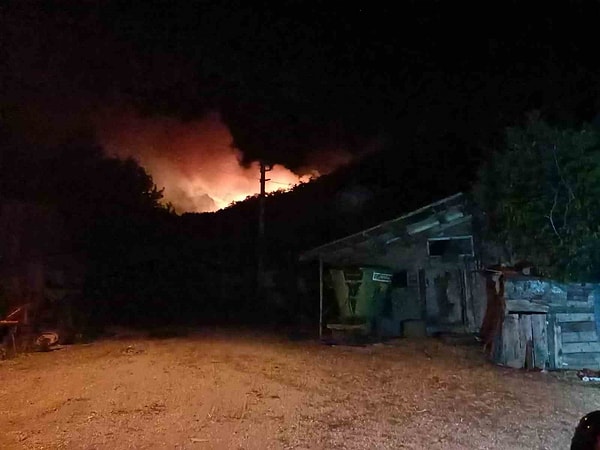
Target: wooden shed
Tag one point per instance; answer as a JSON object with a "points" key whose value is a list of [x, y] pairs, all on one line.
{"points": [[432, 255], [539, 323]]}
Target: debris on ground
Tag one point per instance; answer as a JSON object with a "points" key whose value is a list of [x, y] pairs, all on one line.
{"points": [[589, 375]]}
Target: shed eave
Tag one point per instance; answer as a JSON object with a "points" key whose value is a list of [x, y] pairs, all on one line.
{"points": [[332, 247]]}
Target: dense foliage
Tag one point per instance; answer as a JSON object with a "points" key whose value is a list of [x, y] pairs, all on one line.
{"points": [[541, 196]]}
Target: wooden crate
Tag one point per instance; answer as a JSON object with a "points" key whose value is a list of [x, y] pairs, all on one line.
{"points": [[574, 341]]}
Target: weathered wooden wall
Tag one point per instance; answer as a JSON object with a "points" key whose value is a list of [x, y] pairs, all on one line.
{"points": [[465, 287], [444, 288], [567, 313], [525, 343]]}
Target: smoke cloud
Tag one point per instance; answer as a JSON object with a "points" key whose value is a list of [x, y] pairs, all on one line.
{"points": [[196, 162]]}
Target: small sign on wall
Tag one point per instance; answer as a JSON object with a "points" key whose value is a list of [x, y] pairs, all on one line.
{"points": [[382, 277]]}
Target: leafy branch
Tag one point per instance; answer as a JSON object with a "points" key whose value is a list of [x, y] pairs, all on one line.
{"points": [[532, 181]]}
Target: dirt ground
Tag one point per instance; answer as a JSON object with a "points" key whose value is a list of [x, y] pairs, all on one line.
{"points": [[225, 390]]}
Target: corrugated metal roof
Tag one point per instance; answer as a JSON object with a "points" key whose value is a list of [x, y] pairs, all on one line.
{"points": [[442, 213]]}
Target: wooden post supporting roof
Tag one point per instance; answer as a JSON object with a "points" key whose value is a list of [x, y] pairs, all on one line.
{"points": [[320, 298]]}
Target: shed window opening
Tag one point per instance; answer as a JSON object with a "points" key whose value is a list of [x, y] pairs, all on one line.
{"points": [[450, 246]]}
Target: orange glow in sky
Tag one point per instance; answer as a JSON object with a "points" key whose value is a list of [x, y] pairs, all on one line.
{"points": [[194, 160]]}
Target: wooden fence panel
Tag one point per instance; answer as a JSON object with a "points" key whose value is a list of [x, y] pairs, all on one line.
{"points": [[576, 327], [540, 341], [526, 340], [579, 336], [581, 360], [575, 317], [513, 354], [557, 346], [580, 347]]}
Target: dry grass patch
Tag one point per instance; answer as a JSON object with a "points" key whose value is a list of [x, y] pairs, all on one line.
{"points": [[252, 391]]}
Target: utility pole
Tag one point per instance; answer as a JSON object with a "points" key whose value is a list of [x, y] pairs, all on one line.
{"points": [[260, 250]]}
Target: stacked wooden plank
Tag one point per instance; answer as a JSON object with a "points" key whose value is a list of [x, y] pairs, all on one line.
{"points": [[574, 339]]}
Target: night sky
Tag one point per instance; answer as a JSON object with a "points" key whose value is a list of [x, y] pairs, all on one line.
{"points": [[190, 88]]}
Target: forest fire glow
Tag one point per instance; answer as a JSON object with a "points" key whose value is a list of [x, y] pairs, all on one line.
{"points": [[194, 161]]}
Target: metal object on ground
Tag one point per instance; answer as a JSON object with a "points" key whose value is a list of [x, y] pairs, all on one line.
{"points": [[587, 375]]}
